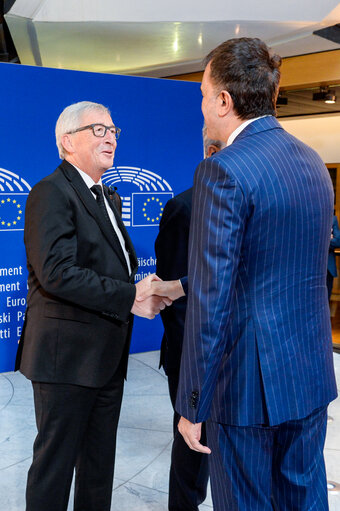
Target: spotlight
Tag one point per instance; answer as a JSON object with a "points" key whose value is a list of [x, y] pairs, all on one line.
{"points": [[326, 95], [330, 97]]}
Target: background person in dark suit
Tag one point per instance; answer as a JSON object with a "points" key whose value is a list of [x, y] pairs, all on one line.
{"points": [[81, 298], [257, 361], [189, 469], [332, 271]]}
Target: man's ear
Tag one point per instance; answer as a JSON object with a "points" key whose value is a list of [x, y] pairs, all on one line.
{"points": [[225, 103], [212, 149], [67, 143]]}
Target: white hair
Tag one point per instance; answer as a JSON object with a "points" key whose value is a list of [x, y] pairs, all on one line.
{"points": [[208, 141], [70, 119]]}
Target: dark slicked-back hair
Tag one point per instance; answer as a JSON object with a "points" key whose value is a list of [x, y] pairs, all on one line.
{"points": [[249, 72]]}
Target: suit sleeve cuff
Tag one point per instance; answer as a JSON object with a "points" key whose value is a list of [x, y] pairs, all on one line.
{"points": [[184, 282]]}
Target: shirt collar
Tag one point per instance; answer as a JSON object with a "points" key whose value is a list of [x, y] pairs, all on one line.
{"points": [[241, 127], [88, 180]]}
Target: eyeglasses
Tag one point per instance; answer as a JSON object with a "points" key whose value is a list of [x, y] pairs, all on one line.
{"points": [[99, 130]]}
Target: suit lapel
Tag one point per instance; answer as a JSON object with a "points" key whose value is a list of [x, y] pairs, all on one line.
{"points": [[86, 197], [128, 243]]}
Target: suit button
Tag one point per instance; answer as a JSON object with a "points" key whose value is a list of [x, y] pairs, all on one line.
{"points": [[194, 398]]}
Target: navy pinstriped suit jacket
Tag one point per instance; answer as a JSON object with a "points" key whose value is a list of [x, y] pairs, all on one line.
{"points": [[257, 347]]}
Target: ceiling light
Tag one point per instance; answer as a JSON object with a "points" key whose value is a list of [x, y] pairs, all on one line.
{"points": [[330, 97], [326, 95]]}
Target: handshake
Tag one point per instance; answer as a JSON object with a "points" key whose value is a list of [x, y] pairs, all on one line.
{"points": [[153, 295]]}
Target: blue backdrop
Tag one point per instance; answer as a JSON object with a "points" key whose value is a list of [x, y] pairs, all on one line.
{"points": [[158, 151]]}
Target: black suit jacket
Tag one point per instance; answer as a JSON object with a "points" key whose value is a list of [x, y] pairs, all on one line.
{"points": [[78, 321], [171, 249]]}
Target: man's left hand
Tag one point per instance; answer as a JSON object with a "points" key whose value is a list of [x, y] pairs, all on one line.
{"points": [[170, 289], [144, 290], [192, 435]]}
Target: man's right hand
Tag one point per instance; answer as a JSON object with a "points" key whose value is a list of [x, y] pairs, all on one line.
{"points": [[150, 305], [148, 308], [170, 289]]}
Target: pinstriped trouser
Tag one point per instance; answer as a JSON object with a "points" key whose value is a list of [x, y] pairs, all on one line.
{"points": [[259, 468]]}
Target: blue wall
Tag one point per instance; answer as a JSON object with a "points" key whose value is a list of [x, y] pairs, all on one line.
{"points": [[158, 151]]}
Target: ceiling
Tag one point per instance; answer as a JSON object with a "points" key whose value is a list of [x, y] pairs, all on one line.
{"points": [[148, 38], [163, 39], [301, 103]]}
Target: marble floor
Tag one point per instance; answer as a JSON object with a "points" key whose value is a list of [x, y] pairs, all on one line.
{"points": [[144, 440]]}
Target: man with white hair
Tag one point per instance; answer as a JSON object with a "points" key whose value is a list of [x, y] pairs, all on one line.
{"points": [[80, 305], [189, 471]]}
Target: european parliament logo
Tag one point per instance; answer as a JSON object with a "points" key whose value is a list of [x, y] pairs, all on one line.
{"points": [[13, 195], [144, 194]]}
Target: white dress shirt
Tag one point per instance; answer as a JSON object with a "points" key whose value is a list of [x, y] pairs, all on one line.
{"points": [[89, 183], [241, 128]]}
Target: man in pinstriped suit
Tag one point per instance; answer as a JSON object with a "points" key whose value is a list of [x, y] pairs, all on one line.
{"points": [[257, 357]]}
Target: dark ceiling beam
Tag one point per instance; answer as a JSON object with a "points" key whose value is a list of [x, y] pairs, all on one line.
{"points": [[8, 52], [3, 46]]}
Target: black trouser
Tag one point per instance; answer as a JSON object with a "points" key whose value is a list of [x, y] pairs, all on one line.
{"points": [[330, 279], [189, 469], [76, 429]]}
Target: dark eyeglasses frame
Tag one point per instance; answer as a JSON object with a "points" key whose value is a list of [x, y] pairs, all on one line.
{"points": [[116, 131]]}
